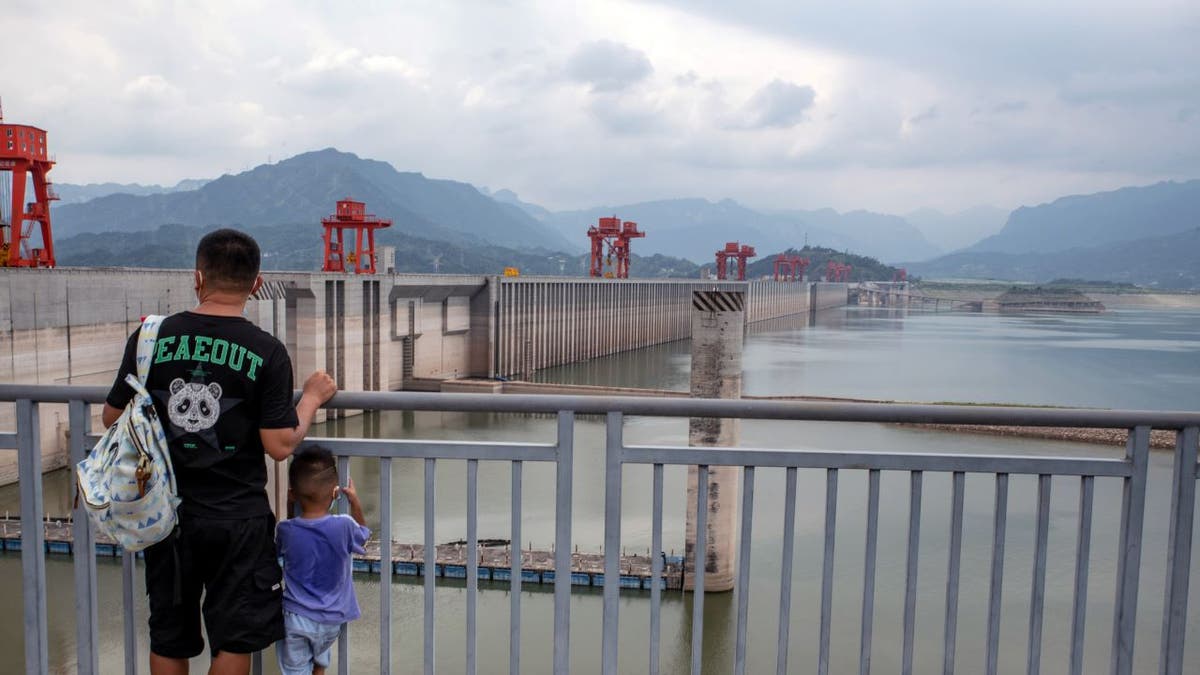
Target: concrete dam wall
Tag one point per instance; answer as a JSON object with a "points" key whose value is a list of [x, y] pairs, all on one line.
{"points": [[551, 321], [382, 332]]}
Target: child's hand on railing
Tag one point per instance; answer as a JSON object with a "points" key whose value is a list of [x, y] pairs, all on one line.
{"points": [[356, 511]]}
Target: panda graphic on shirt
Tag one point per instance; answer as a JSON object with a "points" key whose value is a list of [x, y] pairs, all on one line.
{"points": [[194, 406], [193, 409]]}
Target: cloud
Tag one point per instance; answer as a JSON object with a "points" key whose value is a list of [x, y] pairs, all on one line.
{"points": [[626, 115], [613, 101], [778, 105], [151, 90], [608, 66]]}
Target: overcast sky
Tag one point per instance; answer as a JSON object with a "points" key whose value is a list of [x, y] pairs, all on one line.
{"points": [[880, 105]]}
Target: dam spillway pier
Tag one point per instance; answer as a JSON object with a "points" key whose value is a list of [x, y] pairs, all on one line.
{"points": [[718, 321]]}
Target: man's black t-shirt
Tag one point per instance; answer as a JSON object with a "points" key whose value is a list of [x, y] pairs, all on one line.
{"points": [[215, 380]]}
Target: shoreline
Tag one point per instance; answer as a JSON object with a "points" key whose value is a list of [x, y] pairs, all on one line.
{"points": [[1160, 439]]}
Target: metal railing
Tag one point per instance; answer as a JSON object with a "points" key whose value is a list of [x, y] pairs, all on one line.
{"points": [[1131, 470]]}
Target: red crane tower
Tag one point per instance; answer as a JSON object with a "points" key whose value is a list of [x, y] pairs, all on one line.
{"points": [[740, 253], [351, 215], [799, 267], [23, 154], [836, 271], [790, 267], [610, 238]]}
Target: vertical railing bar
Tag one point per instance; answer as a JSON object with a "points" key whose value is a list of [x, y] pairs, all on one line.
{"points": [[343, 642], [472, 561], [743, 582], [998, 531], [127, 570], [1133, 506], [910, 570], [33, 548], [826, 566], [1179, 551], [612, 541], [1082, 554], [656, 566], [87, 638], [868, 598], [562, 542], [785, 574], [430, 566], [256, 663], [1037, 593], [514, 574], [699, 568], [950, 631], [385, 565]]}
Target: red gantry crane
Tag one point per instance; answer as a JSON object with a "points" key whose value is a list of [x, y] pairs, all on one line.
{"points": [[24, 154], [900, 275], [836, 271], [790, 267], [733, 251], [610, 239], [351, 215]]}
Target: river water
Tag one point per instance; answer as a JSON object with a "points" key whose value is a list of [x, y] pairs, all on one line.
{"points": [[1124, 359]]}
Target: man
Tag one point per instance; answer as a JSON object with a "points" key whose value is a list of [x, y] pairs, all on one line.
{"points": [[223, 390]]}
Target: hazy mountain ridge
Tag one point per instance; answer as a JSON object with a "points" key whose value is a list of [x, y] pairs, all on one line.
{"points": [[70, 193], [1169, 262], [1126, 214], [303, 189], [879, 235], [953, 231], [696, 228]]}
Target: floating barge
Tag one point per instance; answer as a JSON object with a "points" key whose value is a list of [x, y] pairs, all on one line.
{"points": [[1020, 299], [408, 560]]}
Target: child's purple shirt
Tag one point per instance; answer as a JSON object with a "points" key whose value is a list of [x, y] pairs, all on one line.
{"points": [[317, 566]]}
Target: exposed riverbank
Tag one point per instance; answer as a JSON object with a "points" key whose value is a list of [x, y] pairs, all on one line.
{"points": [[1160, 439]]}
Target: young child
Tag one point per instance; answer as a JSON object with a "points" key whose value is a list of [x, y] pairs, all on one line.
{"points": [[318, 595]]}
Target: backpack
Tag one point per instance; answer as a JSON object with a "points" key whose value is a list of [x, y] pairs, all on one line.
{"points": [[126, 481]]}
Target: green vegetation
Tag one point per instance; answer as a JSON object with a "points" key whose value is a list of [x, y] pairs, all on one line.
{"points": [[863, 268]]}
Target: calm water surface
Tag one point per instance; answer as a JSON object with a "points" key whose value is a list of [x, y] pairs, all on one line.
{"points": [[1133, 359]]}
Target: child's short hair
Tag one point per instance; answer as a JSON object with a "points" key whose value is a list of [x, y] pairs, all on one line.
{"points": [[312, 472], [229, 259]]}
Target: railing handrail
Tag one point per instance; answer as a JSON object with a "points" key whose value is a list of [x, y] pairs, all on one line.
{"points": [[823, 411], [1132, 470]]}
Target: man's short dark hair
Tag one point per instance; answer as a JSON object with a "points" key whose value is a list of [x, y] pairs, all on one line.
{"points": [[228, 259], [312, 472]]}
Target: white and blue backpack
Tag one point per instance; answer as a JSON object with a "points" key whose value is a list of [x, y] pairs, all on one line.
{"points": [[126, 481]]}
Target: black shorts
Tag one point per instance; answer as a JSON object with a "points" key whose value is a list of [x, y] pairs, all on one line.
{"points": [[234, 564]]}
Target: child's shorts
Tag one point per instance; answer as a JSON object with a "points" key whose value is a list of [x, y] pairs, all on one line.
{"points": [[308, 643]]}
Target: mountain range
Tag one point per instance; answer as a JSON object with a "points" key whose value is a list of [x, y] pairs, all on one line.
{"points": [[301, 190], [696, 228], [1126, 214], [953, 231], [1144, 235], [1133, 234], [69, 193], [1169, 262]]}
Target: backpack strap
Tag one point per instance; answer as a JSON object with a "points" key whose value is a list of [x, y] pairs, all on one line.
{"points": [[147, 336]]}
